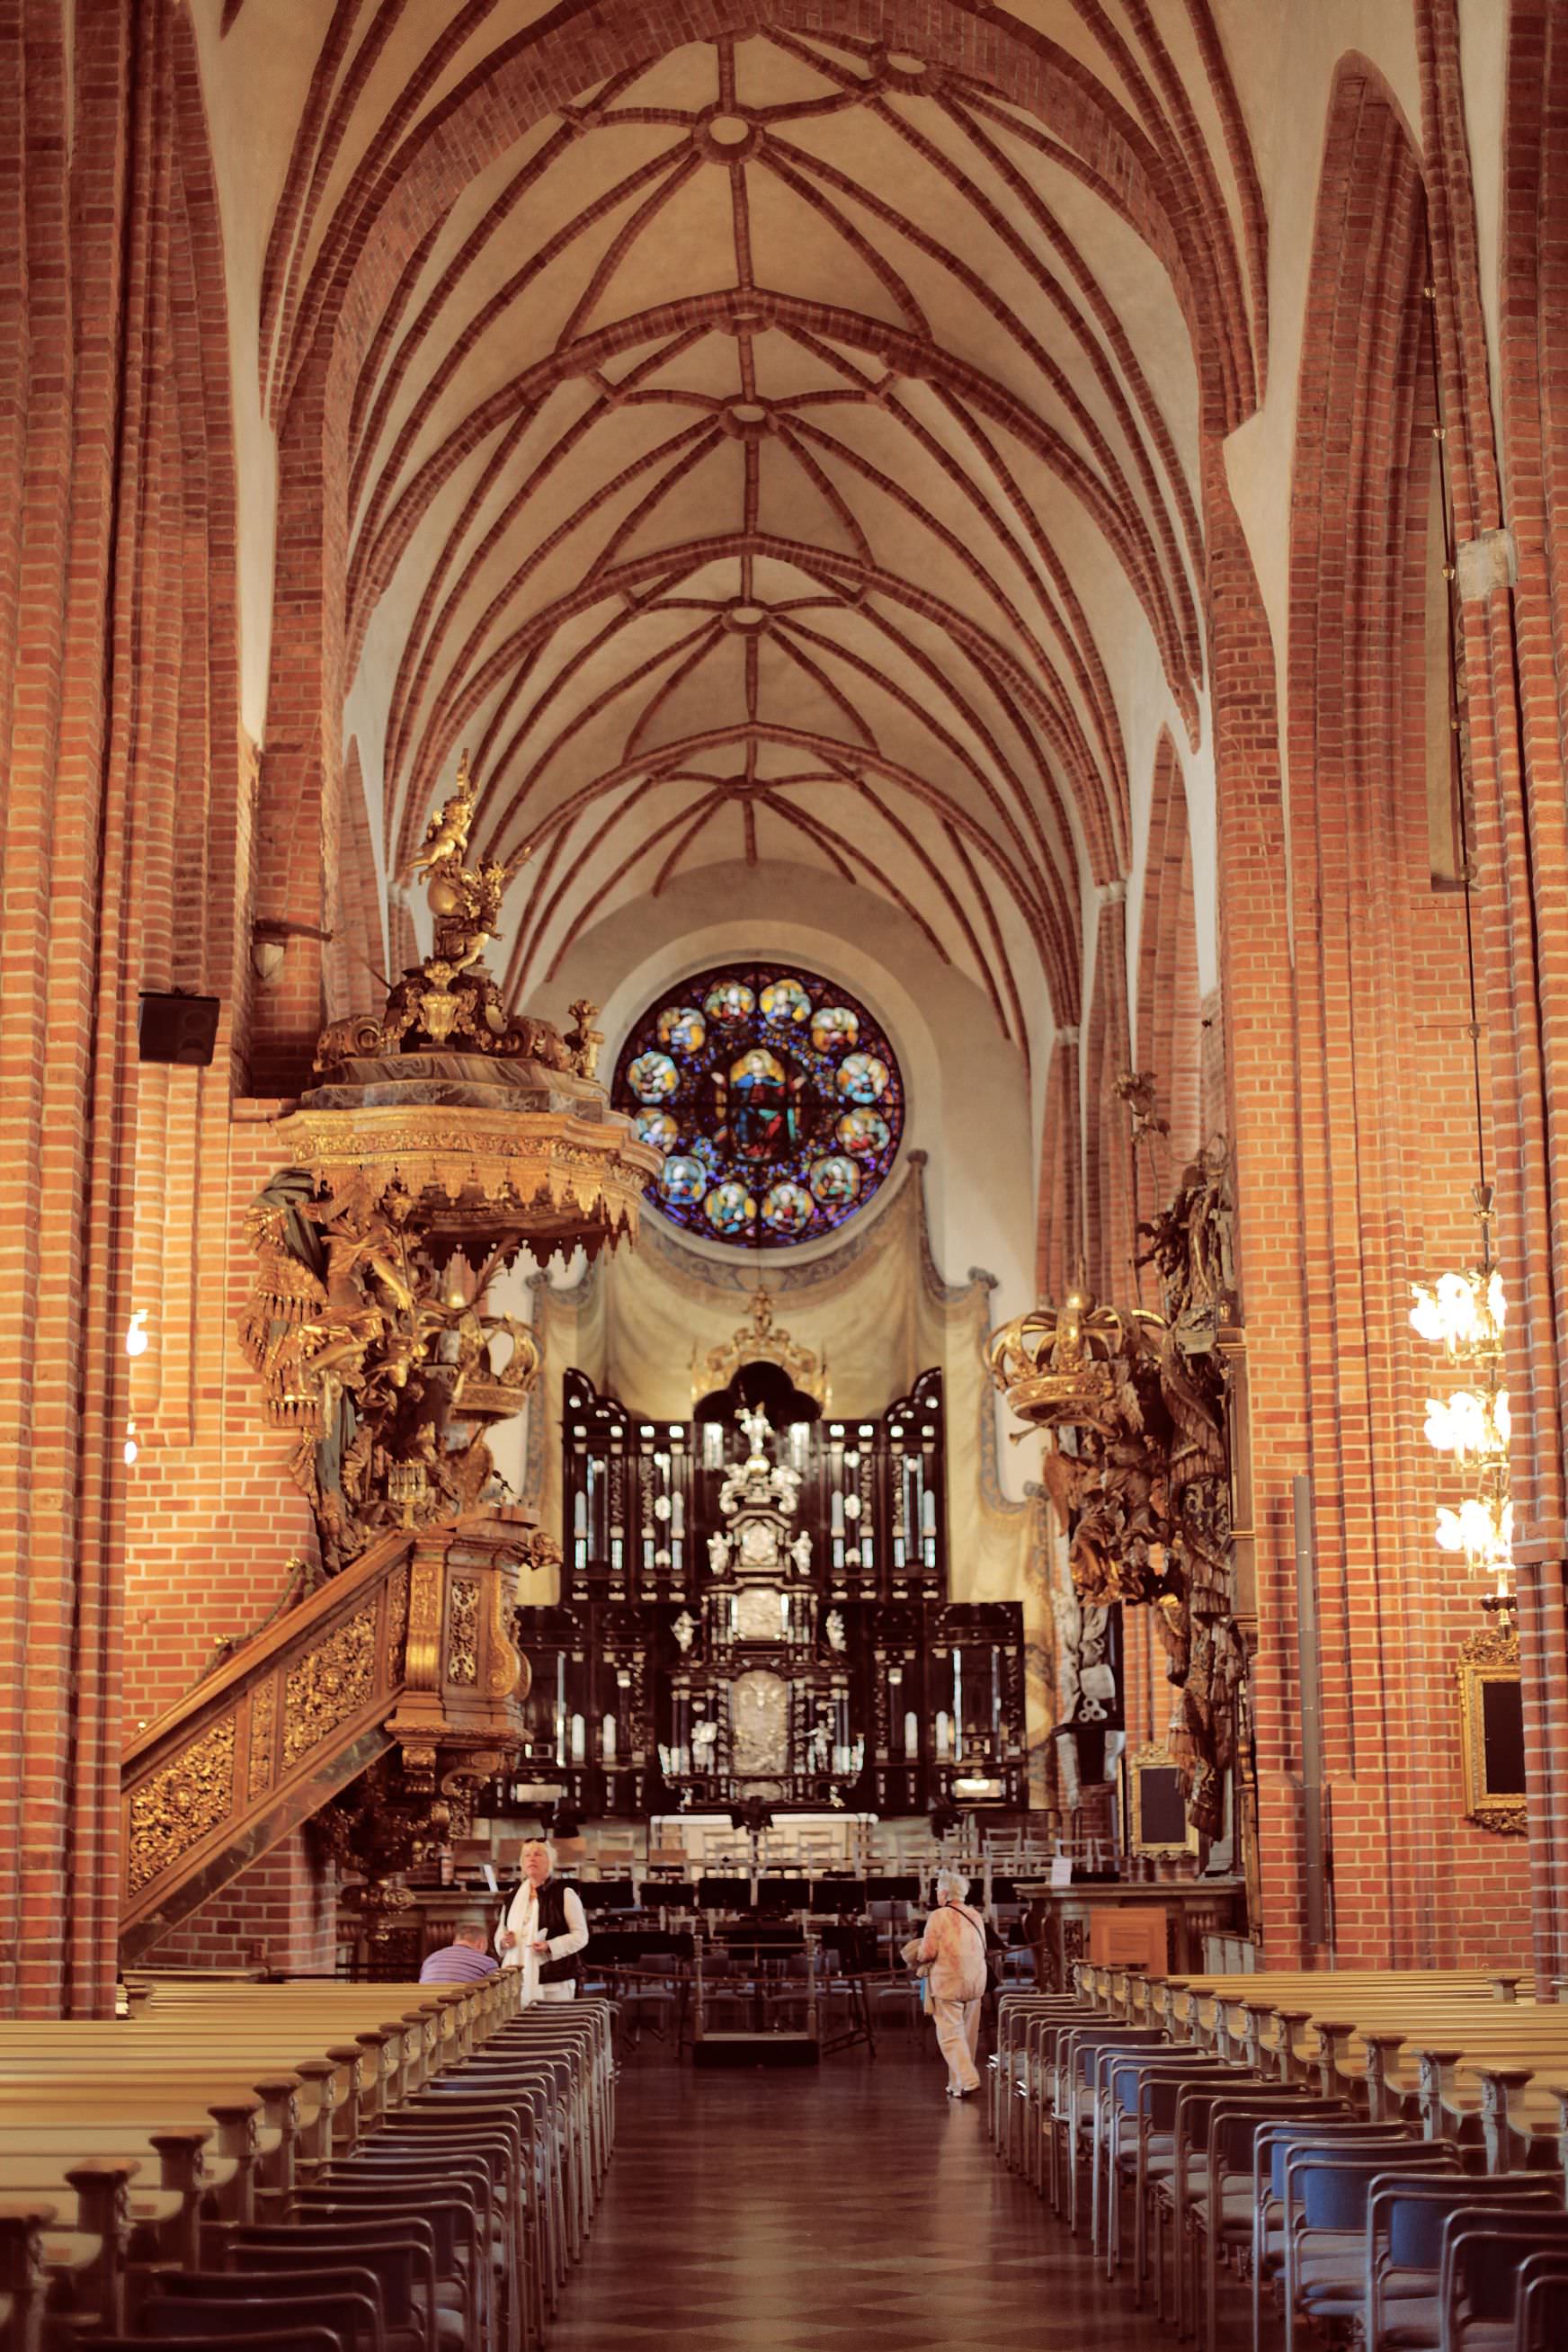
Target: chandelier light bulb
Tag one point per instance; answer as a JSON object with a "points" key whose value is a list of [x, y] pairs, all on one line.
{"points": [[1471, 1423], [1464, 1313], [1482, 1530], [136, 1339]]}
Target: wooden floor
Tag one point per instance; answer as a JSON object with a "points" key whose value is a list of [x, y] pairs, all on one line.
{"points": [[844, 2209]]}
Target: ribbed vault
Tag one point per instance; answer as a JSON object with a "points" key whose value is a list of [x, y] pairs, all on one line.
{"points": [[783, 448]]}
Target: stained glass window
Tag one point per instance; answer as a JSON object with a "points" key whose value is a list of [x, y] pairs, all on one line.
{"points": [[774, 1098]]}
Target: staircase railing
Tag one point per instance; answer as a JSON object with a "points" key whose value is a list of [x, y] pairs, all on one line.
{"points": [[410, 1646]]}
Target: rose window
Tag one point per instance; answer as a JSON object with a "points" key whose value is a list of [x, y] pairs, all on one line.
{"points": [[774, 1098]]}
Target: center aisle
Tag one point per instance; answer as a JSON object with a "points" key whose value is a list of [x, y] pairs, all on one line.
{"points": [[852, 2206]]}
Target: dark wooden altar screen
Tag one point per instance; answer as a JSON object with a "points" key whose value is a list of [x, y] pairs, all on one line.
{"points": [[678, 1671]]}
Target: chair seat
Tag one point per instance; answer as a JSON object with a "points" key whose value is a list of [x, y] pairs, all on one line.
{"points": [[1332, 2253], [1416, 2327]]}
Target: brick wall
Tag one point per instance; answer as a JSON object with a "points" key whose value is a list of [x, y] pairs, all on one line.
{"points": [[211, 1514], [280, 1914], [1356, 1127]]}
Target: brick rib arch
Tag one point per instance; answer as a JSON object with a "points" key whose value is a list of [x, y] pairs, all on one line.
{"points": [[1170, 1039], [1060, 1236], [1108, 1155]]}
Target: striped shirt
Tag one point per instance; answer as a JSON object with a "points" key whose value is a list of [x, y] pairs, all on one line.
{"points": [[455, 1964]]}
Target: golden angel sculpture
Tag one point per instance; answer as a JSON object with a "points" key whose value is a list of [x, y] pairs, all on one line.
{"points": [[450, 1002], [1134, 1408]]}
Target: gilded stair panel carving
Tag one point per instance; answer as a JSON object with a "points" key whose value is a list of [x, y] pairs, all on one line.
{"points": [[263, 1727], [407, 1645], [463, 1634], [176, 1807], [328, 1684]]}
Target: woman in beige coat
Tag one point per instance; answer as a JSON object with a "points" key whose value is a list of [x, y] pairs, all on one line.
{"points": [[952, 1950]]}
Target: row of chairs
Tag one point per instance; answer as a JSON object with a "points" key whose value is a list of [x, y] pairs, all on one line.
{"points": [[1182, 2160], [302, 2168]]}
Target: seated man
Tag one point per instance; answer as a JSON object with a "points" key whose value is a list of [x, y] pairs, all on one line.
{"points": [[460, 1961]]}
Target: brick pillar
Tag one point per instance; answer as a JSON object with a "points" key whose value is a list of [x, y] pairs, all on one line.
{"points": [[1514, 635], [110, 410]]}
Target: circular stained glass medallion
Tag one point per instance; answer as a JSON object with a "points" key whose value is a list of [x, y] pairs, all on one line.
{"points": [[789, 1210], [729, 1208], [775, 1098], [863, 1133], [651, 1077], [682, 1026], [835, 1180], [863, 1077], [784, 1001], [731, 1001], [683, 1179], [657, 1128], [834, 1028]]}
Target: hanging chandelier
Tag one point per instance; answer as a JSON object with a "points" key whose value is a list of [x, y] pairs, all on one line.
{"points": [[1465, 1315]]}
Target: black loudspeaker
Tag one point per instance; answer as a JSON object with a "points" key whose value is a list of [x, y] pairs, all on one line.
{"points": [[177, 1029]]}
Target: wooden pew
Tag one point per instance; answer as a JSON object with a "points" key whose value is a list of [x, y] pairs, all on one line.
{"points": [[123, 2138], [23, 2221], [1458, 2049]]}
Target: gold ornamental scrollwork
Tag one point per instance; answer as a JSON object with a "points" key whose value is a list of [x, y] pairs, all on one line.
{"points": [[449, 1134], [191, 1795], [507, 1672], [263, 1731], [1134, 1406], [328, 1684], [1489, 1689], [396, 1621], [463, 1634], [760, 1341], [422, 1658]]}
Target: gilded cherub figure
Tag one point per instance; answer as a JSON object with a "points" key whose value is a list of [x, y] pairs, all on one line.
{"points": [[446, 835]]}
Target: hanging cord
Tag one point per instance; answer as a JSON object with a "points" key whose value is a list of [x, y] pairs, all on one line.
{"points": [[1450, 574]]}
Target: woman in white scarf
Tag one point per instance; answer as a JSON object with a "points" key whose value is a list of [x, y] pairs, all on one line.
{"points": [[544, 1925], [954, 1949]]}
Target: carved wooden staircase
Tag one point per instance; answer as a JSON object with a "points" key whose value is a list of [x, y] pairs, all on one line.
{"points": [[410, 1646]]}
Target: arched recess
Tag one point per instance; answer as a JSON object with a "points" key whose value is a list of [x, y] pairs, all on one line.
{"points": [[1381, 1084], [1170, 1038]]}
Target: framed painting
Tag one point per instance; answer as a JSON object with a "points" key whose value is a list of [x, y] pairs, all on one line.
{"points": [[1491, 1732]]}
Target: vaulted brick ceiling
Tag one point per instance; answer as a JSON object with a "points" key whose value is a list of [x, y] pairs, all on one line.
{"points": [[785, 452]]}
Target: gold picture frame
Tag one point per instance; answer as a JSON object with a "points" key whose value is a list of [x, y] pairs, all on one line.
{"points": [[1152, 1783], [1491, 1732]]}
